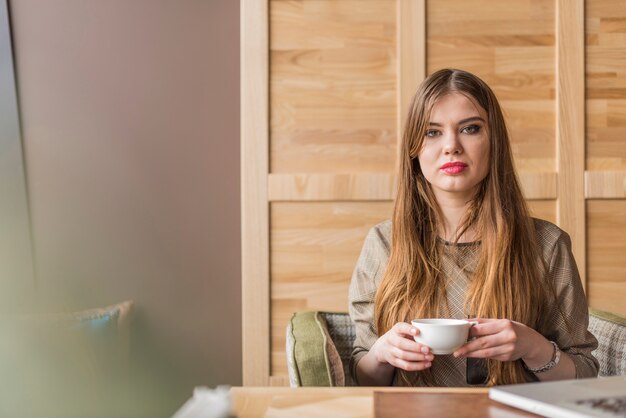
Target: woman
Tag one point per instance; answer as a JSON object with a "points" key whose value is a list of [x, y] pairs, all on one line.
{"points": [[462, 244]]}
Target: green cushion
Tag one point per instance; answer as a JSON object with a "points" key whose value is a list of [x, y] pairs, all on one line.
{"points": [[312, 357]]}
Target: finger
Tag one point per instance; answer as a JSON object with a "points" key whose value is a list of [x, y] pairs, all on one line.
{"points": [[490, 327], [408, 344], [481, 344], [501, 352], [411, 366], [482, 320], [411, 355], [405, 329]]}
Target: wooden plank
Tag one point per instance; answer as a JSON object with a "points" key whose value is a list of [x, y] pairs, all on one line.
{"points": [[356, 186], [411, 28], [528, 59], [543, 209], [571, 125], [605, 85], [333, 86], [605, 184], [538, 185], [279, 381], [511, 47], [324, 401], [254, 206], [377, 186], [315, 247], [606, 287]]}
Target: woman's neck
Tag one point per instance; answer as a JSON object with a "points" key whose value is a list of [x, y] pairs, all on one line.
{"points": [[454, 211]]}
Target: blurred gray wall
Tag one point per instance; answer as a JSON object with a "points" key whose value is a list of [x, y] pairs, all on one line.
{"points": [[16, 256], [130, 123]]}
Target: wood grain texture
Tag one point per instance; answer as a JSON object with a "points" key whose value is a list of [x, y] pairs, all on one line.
{"points": [[511, 46], [605, 184], [377, 186], [356, 186], [439, 405], [606, 286], [321, 402], [341, 73], [571, 126], [411, 26], [543, 209], [605, 77], [605, 64], [254, 214], [315, 246], [538, 185], [333, 86]]}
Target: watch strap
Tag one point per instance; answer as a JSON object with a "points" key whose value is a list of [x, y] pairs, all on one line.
{"points": [[556, 357]]}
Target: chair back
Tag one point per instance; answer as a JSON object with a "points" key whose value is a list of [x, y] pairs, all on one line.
{"points": [[319, 345], [342, 333], [337, 332], [610, 330]]}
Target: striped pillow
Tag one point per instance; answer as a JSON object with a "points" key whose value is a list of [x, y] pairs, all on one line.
{"points": [[610, 330], [312, 357]]}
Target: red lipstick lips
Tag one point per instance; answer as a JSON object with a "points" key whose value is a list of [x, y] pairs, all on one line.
{"points": [[454, 167]]}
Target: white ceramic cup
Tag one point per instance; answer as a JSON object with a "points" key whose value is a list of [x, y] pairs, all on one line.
{"points": [[443, 336]]}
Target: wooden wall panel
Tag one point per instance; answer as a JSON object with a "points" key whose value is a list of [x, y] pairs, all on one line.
{"points": [[571, 126], [605, 82], [606, 230], [510, 45], [543, 209], [377, 186], [332, 86], [314, 248], [340, 76], [333, 139], [255, 284]]}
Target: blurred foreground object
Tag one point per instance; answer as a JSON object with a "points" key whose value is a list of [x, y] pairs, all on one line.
{"points": [[207, 403], [66, 364]]}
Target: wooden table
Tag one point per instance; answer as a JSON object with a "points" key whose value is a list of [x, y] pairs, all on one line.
{"points": [[367, 402]]}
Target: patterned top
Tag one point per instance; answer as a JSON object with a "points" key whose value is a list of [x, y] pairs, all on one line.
{"points": [[448, 370]]}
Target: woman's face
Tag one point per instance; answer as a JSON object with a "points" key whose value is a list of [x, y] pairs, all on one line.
{"points": [[456, 150]]}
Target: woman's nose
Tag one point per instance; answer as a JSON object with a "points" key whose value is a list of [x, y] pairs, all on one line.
{"points": [[452, 145]]}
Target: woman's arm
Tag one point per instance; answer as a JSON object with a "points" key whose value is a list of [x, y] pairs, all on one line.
{"points": [[505, 340], [566, 322], [541, 353], [374, 359], [395, 349]]}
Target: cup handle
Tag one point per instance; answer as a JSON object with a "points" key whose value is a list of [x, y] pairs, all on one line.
{"points": [[472, 323]]}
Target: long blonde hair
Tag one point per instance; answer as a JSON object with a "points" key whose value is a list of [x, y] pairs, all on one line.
{"points": [[508, 279]]}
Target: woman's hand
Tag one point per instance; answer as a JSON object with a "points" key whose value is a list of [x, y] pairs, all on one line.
{"points": [[506, 340], [398, 348]]}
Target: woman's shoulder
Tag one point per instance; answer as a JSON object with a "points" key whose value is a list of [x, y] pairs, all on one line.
{"points": [[383, 228], [380, 235], [549, 235]]}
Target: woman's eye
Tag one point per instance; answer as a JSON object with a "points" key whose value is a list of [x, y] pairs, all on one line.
{"points": [[431, 133], [471, 129]]}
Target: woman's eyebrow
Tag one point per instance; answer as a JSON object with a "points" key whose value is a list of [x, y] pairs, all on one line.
{"points": [[473, 118], [462, 121]]}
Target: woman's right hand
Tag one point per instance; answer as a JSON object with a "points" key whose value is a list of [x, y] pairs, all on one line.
{"points": [[398, 348]]}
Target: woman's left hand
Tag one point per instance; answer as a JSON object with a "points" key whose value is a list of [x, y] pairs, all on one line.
{"points": [[502, 339]]}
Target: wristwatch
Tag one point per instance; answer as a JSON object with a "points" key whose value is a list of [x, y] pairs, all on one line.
{"points": [[549, 365]]}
